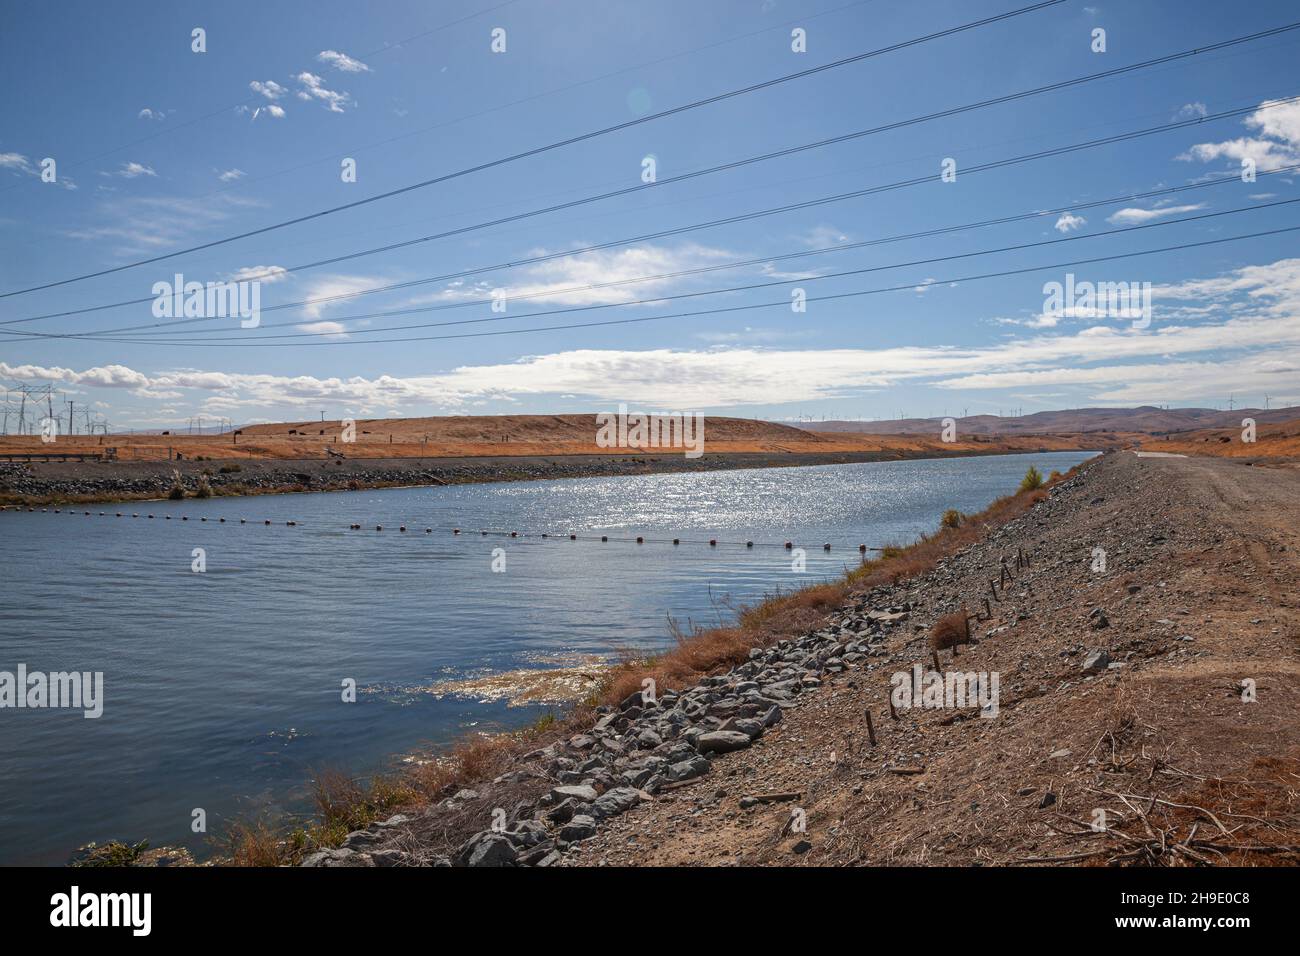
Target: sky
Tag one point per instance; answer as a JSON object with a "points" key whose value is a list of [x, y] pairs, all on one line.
{"points": [[158, 147]]}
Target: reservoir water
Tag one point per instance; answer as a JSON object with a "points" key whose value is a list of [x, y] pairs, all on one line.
{"points": [[222, 689]]}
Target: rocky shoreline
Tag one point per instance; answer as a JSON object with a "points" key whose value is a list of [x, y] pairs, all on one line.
{"points": [[649, 745], [60, 482]]}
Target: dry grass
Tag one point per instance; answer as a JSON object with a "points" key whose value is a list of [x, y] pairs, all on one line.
{"points": [[950, 631], [345, 804]]}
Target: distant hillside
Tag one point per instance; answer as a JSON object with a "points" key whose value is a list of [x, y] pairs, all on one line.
{"points": [[1146, 419], [528, 429]]}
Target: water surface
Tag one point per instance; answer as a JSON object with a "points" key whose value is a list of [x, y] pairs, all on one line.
{"points": [[223, 688]]}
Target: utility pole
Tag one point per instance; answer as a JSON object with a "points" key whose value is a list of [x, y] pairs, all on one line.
{"points": [[72, 428]]}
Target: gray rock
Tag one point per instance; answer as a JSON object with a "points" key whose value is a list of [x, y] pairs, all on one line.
{"points": [[581, 827], [688, 769], [579, 792], [722, 741], [1096, 662], [616, 801], [487, 849]]}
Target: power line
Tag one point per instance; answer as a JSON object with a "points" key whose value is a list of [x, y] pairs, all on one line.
{"points": [[717, 311], [686, 272], [173, 127], [243, 182], [558, 144], [871, 190]]}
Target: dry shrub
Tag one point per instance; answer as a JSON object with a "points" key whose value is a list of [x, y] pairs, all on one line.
{"points": [[256, 843], [951, 630]]}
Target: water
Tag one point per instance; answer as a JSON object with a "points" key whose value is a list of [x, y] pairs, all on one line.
{"points": [[223, 689]]}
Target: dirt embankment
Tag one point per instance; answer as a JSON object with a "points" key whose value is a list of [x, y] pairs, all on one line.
{"points": [[1140, 648], [1272, 441]]}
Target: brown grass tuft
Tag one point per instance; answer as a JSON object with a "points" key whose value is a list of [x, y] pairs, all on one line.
{"points": [[951, 630]]}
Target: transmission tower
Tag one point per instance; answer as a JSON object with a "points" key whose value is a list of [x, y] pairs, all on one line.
{"points": [[26, 406]]}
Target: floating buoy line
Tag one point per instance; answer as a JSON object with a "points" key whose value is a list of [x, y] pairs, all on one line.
{"points": [[458, 532]]}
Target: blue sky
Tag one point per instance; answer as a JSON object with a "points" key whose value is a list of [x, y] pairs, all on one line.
{"points": [[159, 148]]}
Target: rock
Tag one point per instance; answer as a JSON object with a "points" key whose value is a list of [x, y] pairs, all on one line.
{"points": [[687, 769], [722, 741], [578, 792], [1098, 619], [616, 801], [1049, 798], [753, 729], [581, 827], [1096, 662], [487, 849], [388, 857], [802, 847], [563, 811], [526, 833]]}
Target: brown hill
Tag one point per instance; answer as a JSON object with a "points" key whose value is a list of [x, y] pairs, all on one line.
{"points": [[1145, 418]]}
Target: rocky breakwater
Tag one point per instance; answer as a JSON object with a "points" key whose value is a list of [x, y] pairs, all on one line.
{"points": [[646, 746]]}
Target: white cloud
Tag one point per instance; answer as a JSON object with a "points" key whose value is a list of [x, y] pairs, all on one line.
{"points": [[20, 164], [1135, 217], [1253, 345], [1069, 221], [264, 274], [17, 161], [132, 170], [1277, 145], [341, 61], [313, 87], [326, 287], [270, 89], [143, 224], [151, 114], [564, 281], [230, 175], [1192, 110]]}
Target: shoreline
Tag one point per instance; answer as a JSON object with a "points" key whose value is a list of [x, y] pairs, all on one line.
{"points": [[707, 771], [53, 483]]}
